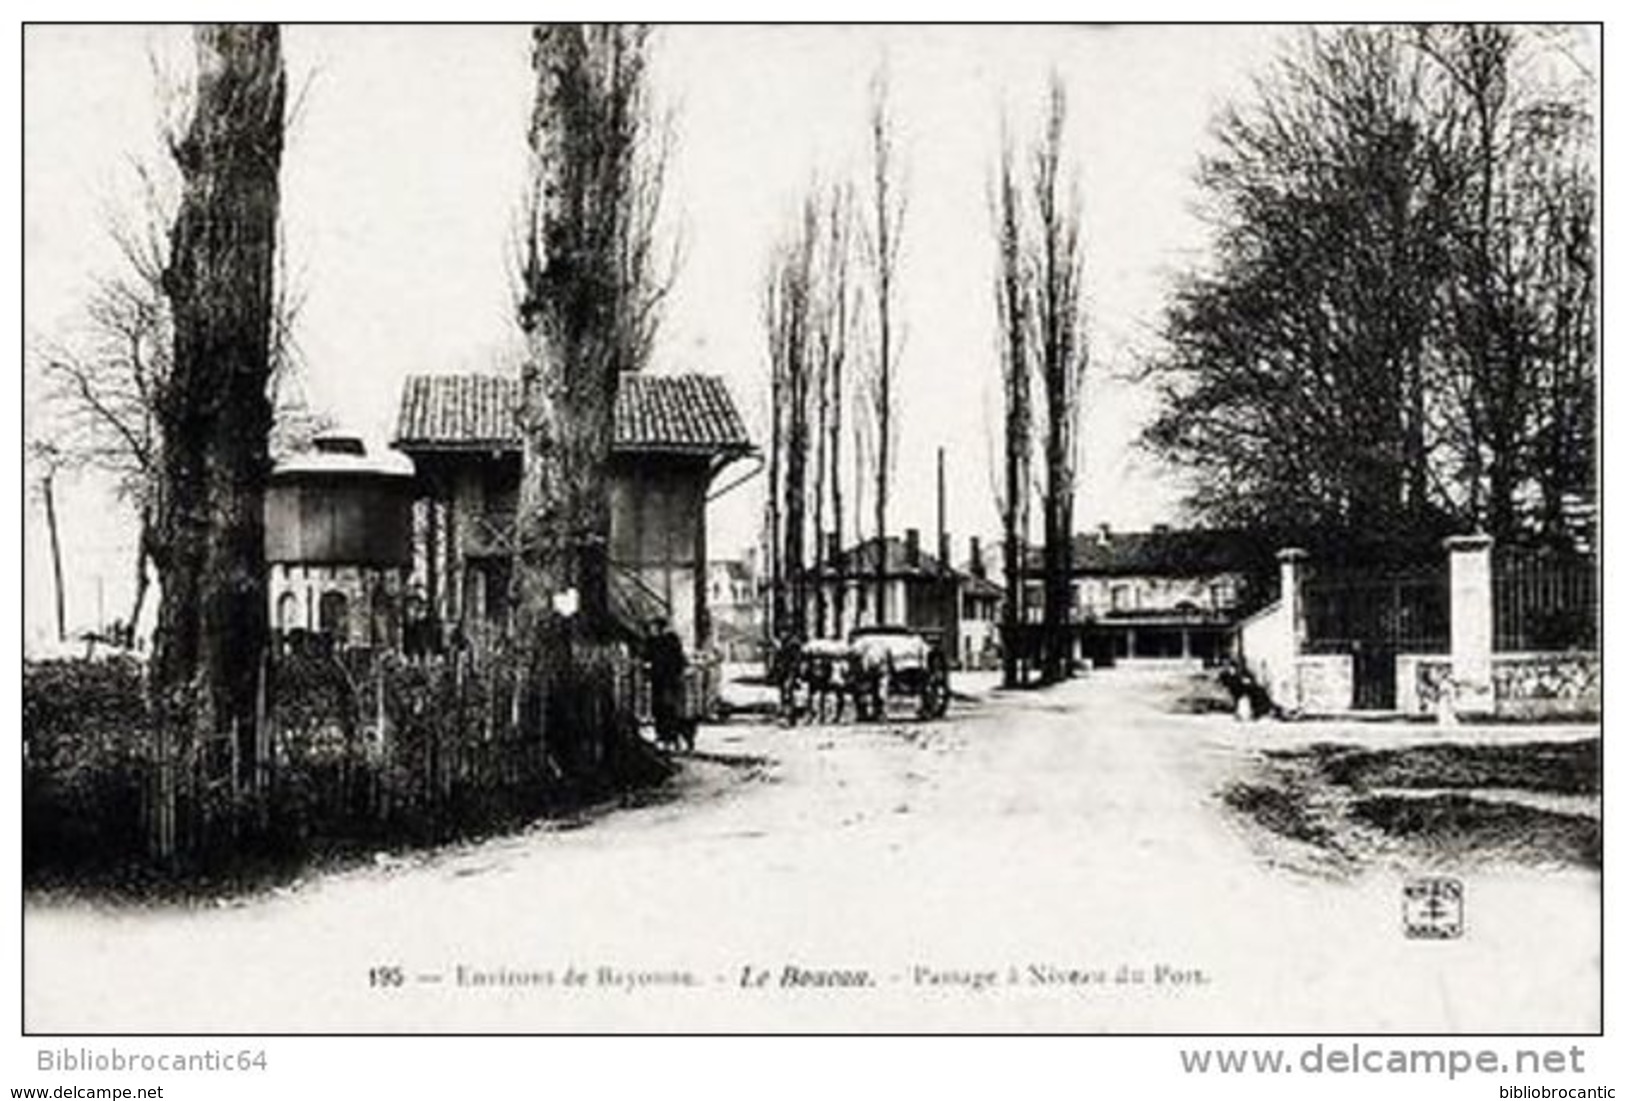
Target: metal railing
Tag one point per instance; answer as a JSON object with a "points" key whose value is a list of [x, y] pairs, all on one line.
{"points": [[1544, 599]]}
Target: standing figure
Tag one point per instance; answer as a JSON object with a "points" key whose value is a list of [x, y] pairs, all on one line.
{"points": [[667, 663]]}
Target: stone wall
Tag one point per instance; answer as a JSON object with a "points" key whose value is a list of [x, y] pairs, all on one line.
{"points": [[1526, 685], [1265, 645], [371, 600], [1419, 681], [1544, 686], [1325, 683]]}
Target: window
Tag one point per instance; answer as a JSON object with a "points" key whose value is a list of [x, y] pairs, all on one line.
{"points": [[1123, 597], [333, 615], [1224, 594], [287, 612]]}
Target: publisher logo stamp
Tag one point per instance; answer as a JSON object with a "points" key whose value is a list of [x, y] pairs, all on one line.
{"points": [[1434, 908]]}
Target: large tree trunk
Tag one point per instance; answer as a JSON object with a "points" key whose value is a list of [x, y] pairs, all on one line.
{"points": [[215, 411], [584, 130]]}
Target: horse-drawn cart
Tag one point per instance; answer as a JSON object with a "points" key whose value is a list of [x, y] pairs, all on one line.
{"points": [[877, 666]]}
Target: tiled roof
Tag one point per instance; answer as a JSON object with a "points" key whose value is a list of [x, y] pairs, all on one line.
{"points": [[981, 586], [1165, 553], [862, 560], [687, 413], [461, 411]]}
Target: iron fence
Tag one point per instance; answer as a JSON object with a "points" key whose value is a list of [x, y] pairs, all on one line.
{"points": [[1352, 610], [1544, 599]]}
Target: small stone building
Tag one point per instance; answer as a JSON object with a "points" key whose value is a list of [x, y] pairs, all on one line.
{"points": [[338, 543]]}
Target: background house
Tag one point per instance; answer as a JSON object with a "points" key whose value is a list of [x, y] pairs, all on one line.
{"points": [[1160, 595], [922, 590], [1163, 594], [673, 434], [735, 605], [980, 606]]}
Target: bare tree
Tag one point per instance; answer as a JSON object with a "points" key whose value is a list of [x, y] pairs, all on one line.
{"points": [[1039, 287], [103, 377], [837, 316], [789, 317], [888, 209], [1397, 332], [1062, 353], [1519, 311], [1014, 300], [214, 408], [810, 311], [1297, 370]]}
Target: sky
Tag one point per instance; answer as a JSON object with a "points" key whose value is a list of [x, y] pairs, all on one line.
{"points": [[406, 158]]}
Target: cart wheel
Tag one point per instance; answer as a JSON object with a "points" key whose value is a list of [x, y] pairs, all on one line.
{"points": [[787, 700], [934, 698], [867, 702]]}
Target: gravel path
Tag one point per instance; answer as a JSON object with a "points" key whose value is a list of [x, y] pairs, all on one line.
{"points": [[1052, 861]]}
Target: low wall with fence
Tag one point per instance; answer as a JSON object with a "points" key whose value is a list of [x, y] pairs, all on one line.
{"points": [[1548, 686], [1325, 683], [1506, 632], [1527, 686], [350, 749]]}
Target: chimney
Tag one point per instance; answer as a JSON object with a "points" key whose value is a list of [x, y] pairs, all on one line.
{"points": [[911, 548], [832, 548], [977, 569], [1103, 535], [945, 546]]}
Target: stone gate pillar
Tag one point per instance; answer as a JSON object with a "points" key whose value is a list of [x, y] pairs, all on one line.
{"points": [[1287, 690], [1472, 625]]}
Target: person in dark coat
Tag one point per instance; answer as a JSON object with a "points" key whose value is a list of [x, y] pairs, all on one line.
{"points": [[667, 663]]}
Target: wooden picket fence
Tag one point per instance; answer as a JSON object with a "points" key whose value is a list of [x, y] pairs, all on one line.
{"points": [[384, 748], [349, 748]]}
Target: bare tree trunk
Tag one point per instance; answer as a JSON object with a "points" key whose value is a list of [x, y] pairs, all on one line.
{"points": [[775, 480], [820, 431], [788, 316], [143, 579], [215, 413], [1014, 305], [836, 398], [1063, 354], [860, 471], [48, 492], [795, 473], [886, 230]]}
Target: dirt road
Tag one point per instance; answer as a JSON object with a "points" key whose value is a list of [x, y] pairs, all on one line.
{"points": [[1052, 861]]}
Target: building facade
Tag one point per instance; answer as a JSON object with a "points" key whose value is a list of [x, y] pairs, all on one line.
{"points": [[1164, 595], [673, 435], [734, 601], [923, 592], [338, 545]]}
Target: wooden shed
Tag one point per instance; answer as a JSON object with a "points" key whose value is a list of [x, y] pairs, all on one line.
{"points": [[673, 434]]}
